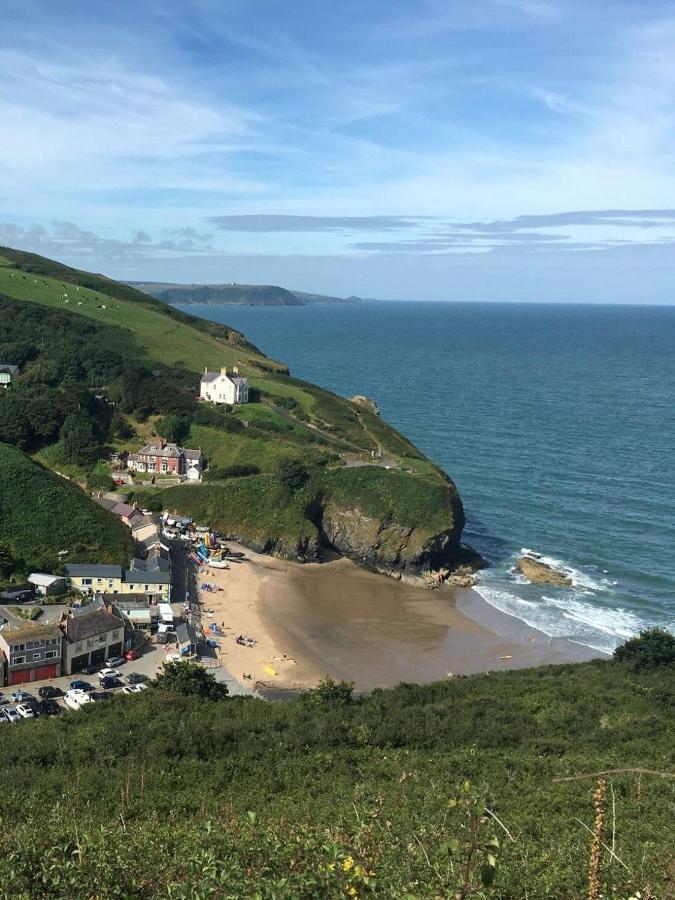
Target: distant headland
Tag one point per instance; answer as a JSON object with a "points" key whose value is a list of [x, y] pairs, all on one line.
{"points": [[233, 294]]}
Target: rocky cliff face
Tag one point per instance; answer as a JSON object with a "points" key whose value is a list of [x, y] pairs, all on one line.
{"points": [[389, 547]]}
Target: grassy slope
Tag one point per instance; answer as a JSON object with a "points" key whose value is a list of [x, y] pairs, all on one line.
{"points": [[41, 514], [318, 427], [163, 796]]}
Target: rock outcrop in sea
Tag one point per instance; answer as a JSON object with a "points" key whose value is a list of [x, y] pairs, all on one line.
{"points": [[539, 572]]}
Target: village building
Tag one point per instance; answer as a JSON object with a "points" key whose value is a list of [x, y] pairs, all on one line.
{"points": [[47, 585], [136, 608], [7, 373], [91, 578], [162, 458], [128, 514], [30, 652], [186, 638], [145, 531], [91, 634], [150, 576], [222, 387]]}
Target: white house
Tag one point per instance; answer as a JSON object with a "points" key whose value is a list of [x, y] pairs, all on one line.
{"points": [[220, 387], [7, 372]]}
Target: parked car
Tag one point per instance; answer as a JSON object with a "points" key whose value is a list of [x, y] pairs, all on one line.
{"points": [[110, 681], [10, 713], [49, 692], [114, 661], [131, 655], [90, 670], [79, 686], [35, 706], [49, 707], [76, 699], [18, 696], [100, 696], [25, 710], [108, 673], [136, 678], [133, 689]]}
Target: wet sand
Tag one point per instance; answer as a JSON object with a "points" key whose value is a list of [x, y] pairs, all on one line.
{"points": [[338, 619]]}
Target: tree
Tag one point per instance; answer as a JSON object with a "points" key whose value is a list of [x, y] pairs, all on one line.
{"points": [[652, 649], [191, 681], [173, 428], [331, 692], [78, 438], [6, 561], [291, 473]]}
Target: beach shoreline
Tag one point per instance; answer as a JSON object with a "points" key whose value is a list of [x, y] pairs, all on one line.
{"points": [[335, 618]]}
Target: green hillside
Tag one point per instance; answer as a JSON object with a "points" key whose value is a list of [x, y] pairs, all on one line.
{"points": [[449, 790], [103, 360], [42, 514]]}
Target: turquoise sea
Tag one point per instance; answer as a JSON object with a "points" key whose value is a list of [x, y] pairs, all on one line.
{"points": [[557, 423]]}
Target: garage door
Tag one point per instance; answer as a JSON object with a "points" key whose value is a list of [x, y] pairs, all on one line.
{"points": [[45, 672], [20, 677]]}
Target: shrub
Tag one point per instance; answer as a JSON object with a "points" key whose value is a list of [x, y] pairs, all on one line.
{"points": [[237, 470], [100, 481], [652, 649], [292, 474], [191, 681], [173, 428]]}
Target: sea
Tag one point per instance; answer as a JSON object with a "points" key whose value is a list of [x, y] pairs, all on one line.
{"points": [[556, 422]]}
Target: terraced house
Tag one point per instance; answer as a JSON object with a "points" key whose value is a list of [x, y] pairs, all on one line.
{"points": [[162, 458], [90, 636], [30, 652]]}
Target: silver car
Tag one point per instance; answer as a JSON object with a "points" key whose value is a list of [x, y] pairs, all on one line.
{"points": [[11, 714]]}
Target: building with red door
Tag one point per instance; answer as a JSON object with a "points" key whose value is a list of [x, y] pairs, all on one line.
{"points": [[30, 652]]}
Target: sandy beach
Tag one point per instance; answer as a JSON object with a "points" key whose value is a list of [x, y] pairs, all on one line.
{"points": [[338, 619]]}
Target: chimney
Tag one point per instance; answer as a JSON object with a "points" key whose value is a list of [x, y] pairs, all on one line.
{"points": [[236, 370], [206, 370], [223, 371]]}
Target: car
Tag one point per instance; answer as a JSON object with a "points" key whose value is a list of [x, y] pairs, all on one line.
{"points": [[100, 696], [131, 655], [79, 686], [110, 682], [18, 696], [76, 699], [25, 710], [133, 689], [35, 706], [90, 670], [114, 661], [49, 707], [136, 678], [49, 692], [108, 673], [11, 714]]}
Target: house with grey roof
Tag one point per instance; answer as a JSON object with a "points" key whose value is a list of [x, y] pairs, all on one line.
{"points": [[224, 387], [30, 652], [94, 577], [91, 635]]}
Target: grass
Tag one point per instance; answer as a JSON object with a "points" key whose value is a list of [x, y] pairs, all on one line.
{"points": [[30, 615], [168, 796], [43, 514]]}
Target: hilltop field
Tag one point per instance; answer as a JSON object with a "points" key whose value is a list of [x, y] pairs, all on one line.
{"points": [[104, 367]]}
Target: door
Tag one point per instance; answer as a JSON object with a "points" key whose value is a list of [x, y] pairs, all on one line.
{"points": [[20, 677], [45, 672]]}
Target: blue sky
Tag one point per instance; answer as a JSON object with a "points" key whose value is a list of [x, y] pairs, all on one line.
{"points": [[426, 149]]}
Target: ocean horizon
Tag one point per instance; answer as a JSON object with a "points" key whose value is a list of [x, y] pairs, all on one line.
{"points": [[556, 422]]}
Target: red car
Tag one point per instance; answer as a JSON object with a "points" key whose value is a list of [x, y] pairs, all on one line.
{"points": [[131, 655]]}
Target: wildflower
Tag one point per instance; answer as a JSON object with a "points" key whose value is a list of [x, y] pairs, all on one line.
{"points": [[347, 864], [331, 867], [352, 891]]}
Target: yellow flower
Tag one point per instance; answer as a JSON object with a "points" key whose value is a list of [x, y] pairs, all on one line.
{"points": [[352, 891], [347, 864], [331, 867], [359, 871]]}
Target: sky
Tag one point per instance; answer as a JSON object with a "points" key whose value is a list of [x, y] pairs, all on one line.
{"points": [[510, 150]]}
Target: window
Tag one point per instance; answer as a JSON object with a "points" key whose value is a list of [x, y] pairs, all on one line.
{"points": [[16, 647], [36, 656], [86, 581], [115, 635], [102, 639], [52, 641], [18, 660], [99, 581], [147, 587], [111, 583], [51, 654]]}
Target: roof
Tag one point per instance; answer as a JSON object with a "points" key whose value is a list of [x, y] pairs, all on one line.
{"points": [[89, 624], [124, 510], [43, 580], [170, 450], [238, 380], [193, 454], [127, 601], [9, 367], [208, 377], [143, 521], [185, 634], [154, 563], [153, 576], [31, 631], [92, 571], [106, 503]]}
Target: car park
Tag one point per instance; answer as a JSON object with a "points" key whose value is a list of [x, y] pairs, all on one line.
{"points": [[25, 710], [79, 686], [108, 673], [49, 691], [49, 707], [11, 714]]}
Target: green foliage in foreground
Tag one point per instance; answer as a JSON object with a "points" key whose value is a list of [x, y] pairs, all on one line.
{"points": [[163, 795], [652, 649], [190, 680], [42, 514]]}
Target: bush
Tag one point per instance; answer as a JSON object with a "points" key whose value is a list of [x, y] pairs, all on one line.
{"points": [[100, 481], [234, 471], [652, 649], [292, 474], [173, 428], [191, 681]]}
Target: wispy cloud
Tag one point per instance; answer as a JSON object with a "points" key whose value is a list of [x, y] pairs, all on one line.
{"points": [[286, 223]]}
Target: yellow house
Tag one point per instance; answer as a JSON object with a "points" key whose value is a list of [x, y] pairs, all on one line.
{"points": [[92, 578]]}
